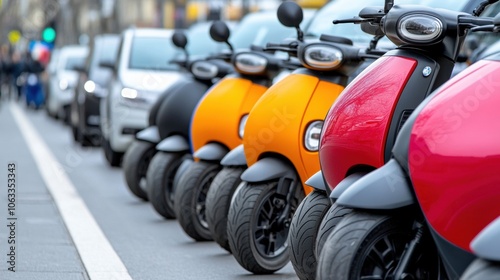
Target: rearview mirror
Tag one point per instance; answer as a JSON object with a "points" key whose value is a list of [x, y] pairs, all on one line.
{"points": [[219, 31], [290, 14], [107, 64], [179, 39]]}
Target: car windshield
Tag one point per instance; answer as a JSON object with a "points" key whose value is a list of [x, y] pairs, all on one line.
{"points": [[260, 28], [106, 49], [152, 53], [344, 9], [73, 61]]}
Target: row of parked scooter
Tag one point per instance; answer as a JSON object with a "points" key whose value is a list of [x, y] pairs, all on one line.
{"points": [[362, 163]]}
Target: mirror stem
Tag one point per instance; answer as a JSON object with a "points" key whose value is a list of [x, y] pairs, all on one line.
{"points": [[230, 46], [300, 35], [388, 5]]}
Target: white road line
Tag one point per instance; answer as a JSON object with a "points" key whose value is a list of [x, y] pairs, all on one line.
{"points": [[98, 256]]}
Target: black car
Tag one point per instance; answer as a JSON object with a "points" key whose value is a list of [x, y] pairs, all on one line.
{"points": [[91, 87]]}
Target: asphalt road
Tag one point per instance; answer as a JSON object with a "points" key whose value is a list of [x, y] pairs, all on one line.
{"points": [[149, 246]]}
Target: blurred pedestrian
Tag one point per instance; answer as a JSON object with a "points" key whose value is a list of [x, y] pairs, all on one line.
{"points": [[17, 67]]}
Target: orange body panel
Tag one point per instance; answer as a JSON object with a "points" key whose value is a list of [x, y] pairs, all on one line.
{"points": [[218, 114], [277, 123]]}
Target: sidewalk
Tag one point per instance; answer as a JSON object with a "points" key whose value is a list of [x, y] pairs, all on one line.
{"points": [[44, 249]]}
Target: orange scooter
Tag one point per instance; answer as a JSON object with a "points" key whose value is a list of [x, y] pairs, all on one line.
{"points": [[216, 128], [280, 147]]}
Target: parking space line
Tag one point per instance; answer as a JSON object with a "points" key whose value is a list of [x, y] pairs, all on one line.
{"points": [[98, 256]]}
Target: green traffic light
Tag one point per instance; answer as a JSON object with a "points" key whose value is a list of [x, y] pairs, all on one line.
{"points": [[49, 35]]}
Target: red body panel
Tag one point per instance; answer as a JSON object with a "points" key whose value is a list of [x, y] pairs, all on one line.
{"points": [[356, 127], [454, 154]]}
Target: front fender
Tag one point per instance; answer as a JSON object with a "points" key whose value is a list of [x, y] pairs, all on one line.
{"points": [[268, 169], [345, 184], [384, 188], [149, 134], [211, 152], [486, 244], [236, 157], [317, 182], [173, 144]]}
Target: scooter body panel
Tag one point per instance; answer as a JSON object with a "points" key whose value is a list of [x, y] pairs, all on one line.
{"points": [[356, 127], [277, 124], [175, 112], [218, 115], [454, 156], [149, 134]]}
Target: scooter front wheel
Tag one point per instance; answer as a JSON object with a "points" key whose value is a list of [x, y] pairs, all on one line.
{"points": [[334, 215], [303, 231], [218, 201], [135, 165], [257, 232], [370, 246], [160, 182], [190, 199], [112, 157], [482, 270]]}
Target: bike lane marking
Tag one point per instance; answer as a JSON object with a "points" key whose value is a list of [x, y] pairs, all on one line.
{"points": [[98, 256]]}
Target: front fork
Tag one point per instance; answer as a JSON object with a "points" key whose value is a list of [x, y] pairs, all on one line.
{"points": [[286, 191], [400, 273]]}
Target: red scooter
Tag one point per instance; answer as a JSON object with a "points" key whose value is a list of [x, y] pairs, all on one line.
{"points": [[362, 125], [414, 217]]}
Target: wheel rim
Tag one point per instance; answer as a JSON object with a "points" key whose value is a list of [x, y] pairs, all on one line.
{"points": [[270, 238], [143, 169], [202, 198], [382, 257]]}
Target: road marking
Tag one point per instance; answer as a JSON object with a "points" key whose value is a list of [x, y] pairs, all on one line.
{"points": [[98, 256]]}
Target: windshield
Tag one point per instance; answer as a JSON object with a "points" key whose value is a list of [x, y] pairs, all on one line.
{"points": [[152, 53], [105, 49], [344, 9], [260, 28], [73, 61]]}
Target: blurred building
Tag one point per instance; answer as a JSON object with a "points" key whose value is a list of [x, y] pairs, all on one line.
{"points": [[77, 21]]}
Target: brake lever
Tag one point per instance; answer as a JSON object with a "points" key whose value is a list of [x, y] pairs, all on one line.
{"points": [[355, 20], [487, 28]]}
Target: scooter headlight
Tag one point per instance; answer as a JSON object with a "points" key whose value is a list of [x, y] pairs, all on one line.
{"points": [[241, 127], [311, 138], [420, 28], [204, 70], [322, 57], [129, 93], [250, 63]]}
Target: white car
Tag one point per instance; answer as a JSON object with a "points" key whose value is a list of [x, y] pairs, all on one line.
{"points": [[63, 80], [142, 72]]}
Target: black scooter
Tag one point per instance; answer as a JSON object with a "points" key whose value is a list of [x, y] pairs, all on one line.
{"points": [[177, 103]]}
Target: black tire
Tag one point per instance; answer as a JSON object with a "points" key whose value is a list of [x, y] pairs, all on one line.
{"points": [[76, 134], [135, 166], [190, 198], [246, 216], [303, 231], [334, 215], [160, 182], [113, 158], [371, 245], [482, 270], [218, 201]]}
